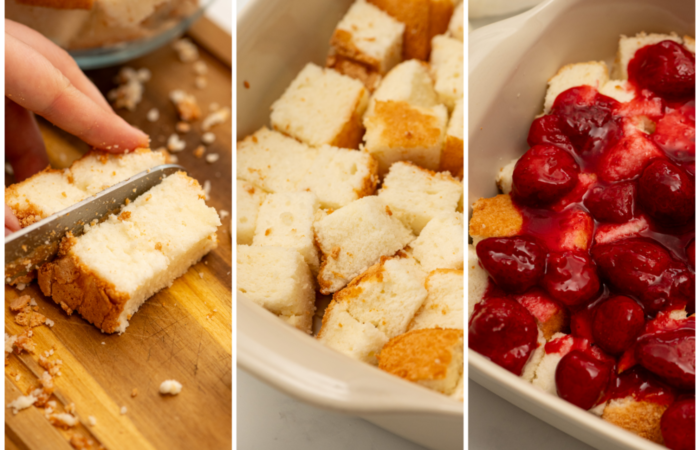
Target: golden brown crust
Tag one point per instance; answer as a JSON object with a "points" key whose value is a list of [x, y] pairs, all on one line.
{"points": [[406, 126], [495, 217], [415, 14], [420, 354], [452, 157], [75, 288], [641, 418], [353, 130], [354, 69], [369, 184], [342, 42], [59, 4], [29, 213], [440, 15]]}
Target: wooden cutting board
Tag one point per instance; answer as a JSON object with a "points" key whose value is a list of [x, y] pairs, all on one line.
{"points": [[181, 333]]}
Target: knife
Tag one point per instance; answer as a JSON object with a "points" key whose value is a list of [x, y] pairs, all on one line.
{"points": [[38, 243]]}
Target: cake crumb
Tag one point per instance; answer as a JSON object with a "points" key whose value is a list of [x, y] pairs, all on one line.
{"points": [[49, 323], [153, 115], [186, 105], [19, 303], [223, 213], [200, 82], [171, 387], [183, 127], [186, 50], [201, 275], [130, 90], [63, 420], [24, 343], [21, 402], [175, 144], [103, 343], [125, 215], [92, 421], [53, 367], [200, 68], [207, 189], [33, 302], [134, 392], [208, 138], [123, 410], [215, 118], [17, 378], [212, 158], [199, 151], [80, 442]]}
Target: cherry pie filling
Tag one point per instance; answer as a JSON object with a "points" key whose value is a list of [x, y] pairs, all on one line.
{"points": [[607, 195]]}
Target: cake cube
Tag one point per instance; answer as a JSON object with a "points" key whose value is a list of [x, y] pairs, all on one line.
{"points": [[433, 358], [96, 171], [353, 69], [440, 244], [415, 14], [478, 280], [279, 280], [440, 15], [456, 26], [594, 73], [321, 106], [408, 82], [385, 297], [248, 200], [504, 179], [42, 195], [354, 237], [447, 66], [452, 158], [286, 220], [339, 176], [107, 273], [642, 418], [494, 217], [444, 305], [370, 36], [417, 195], [273, 161], [397, 131], [628, 46]]}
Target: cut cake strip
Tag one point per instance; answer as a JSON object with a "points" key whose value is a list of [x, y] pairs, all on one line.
{"points": [[110, 271]]}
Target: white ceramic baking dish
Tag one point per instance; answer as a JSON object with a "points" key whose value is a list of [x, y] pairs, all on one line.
{"points": [[275, 39], [509, 64]]}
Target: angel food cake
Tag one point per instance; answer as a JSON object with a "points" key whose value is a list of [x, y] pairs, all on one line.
{"points": [[354, 196], [582, 272], [107, 273]]}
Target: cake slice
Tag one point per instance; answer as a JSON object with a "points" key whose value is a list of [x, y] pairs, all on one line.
{"points": [[433, 358], [416, 195], [286, 220], [248, 200], [440, 244], [494, 217], [354, 237], [452, 158], [368, 35], [279, 280], [444, 305], [51, 191], [321, 106], [408, 82], [447, 66], [375, 307], [110, 271], [397, 131]]}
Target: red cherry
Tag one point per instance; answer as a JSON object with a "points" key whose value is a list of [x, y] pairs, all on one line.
{"points": [[675, 134], [503, 331], [666, 68], [571, 277], [545, 130], [617, 323], [678, 424], [581, 379], [585, 116], [643, 268], [613, 203], [544, 174], [515, 263], [690, 252], [667, 193], [670, 355]]}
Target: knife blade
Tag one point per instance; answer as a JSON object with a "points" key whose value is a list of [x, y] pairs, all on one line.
{"points": [[38, 243]]}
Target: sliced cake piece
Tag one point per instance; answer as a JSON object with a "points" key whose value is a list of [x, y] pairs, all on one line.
{"points": [[279, 280], [415, 14], [418, 195], [375, 307], [494, 217], [96, 171], [432, 357], [628, 47], [478, 280], [452, 158], [447, 66], [110, 271], [370, 36], [248, 200], [321, 106], [397, 131], [444, 306], [441, 243], [286, 220], [456, 26], [273, 161], [408, 82], [354, 237]]}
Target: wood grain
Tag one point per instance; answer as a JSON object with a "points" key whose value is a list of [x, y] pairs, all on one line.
{"points": [[181, 333]]}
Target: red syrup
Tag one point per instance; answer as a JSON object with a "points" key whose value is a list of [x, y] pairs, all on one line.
{"points": [[638, 232]]}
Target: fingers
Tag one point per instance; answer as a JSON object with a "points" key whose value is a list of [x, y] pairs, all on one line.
{"points": [[34, 83], [24, 146], [59, 58], [11, 222]]}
